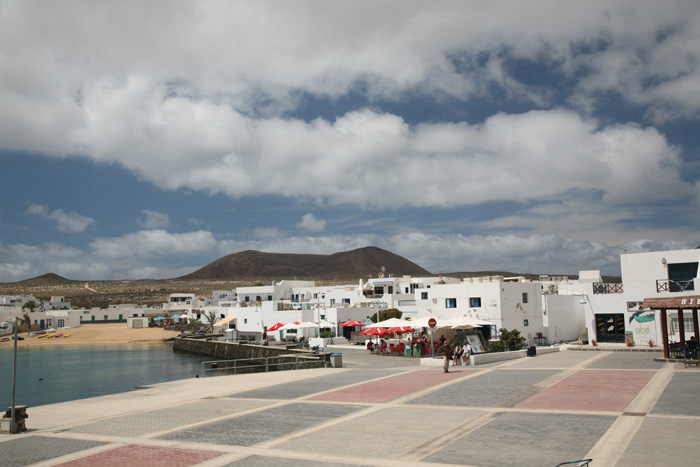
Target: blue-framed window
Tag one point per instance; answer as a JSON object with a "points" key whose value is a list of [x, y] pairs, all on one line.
{"points": [[475, 302], [450, 303]]}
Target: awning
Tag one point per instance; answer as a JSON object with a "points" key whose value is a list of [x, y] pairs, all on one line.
{"points": [[224, 322]]}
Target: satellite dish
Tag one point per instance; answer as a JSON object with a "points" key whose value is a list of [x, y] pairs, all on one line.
{"points": [[383, 269]]}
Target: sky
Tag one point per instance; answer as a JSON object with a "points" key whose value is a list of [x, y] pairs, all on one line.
{"points": [[144, 140]]}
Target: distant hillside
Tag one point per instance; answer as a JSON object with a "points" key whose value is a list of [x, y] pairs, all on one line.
{"points": [[46, 280], [356, 263]]}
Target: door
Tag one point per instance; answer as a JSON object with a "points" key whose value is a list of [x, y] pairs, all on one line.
{"points": [[41, 324], [610, 327]]}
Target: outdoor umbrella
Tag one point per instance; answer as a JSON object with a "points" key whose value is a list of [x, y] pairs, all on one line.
{"points": [[275, 327], [353, 323], [390, 323], [375, 332], [401, 330], [158, 318]]}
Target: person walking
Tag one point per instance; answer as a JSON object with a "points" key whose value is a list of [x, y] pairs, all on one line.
{"points": [[446, 353]]}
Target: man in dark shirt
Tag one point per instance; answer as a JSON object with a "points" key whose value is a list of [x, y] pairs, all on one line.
{"points": [[446, 353]]}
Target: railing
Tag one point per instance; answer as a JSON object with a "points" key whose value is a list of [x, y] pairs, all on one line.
{"points": [[264, 364], [606, 288], [668, 285]]}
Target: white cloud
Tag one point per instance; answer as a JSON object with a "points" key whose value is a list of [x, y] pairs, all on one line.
{"points": [[153, 243], [137, 255], [154, 220], [65, 221], [310, 223], [189, 111]]}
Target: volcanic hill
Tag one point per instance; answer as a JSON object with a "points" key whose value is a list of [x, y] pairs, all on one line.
{"points": [[355, 263]]}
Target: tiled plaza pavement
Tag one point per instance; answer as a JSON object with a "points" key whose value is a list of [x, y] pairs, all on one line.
{"points": [[618, 408]]}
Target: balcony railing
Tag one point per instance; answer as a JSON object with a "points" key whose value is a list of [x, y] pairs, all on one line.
{"points": [[668, 285], [606, 288]]}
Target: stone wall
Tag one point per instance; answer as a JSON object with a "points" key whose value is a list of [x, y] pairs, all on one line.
{"points": [[222, 350]]}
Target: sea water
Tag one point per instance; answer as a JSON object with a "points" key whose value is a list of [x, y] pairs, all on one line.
{"points": [[50, 374]]}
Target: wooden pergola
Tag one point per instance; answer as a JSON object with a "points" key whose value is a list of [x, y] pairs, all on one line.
{"points": [[680, 304]]}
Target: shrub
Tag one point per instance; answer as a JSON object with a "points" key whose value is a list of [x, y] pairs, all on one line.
{"points": [[326, 334], [509, 340], [386, 314]]}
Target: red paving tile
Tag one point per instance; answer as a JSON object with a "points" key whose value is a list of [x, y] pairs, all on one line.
{"points": [[135, 455], [603, 390], [392, 388]]}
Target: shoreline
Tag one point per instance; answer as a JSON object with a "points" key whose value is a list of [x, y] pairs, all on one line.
{"points": [[95, 333]]}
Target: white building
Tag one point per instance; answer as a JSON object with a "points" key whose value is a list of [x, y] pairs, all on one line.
{"points": [[612, 310], [506, 304]]}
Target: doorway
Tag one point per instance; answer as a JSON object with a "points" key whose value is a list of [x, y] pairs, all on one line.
{"points": [[610, 327]]}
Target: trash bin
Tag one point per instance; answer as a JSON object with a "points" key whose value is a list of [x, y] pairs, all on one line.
{"points": [[532, 351], [337, 360]]}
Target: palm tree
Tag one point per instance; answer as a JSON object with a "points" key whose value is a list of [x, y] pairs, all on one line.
{"points": [[26, 320], [212, 318], [31, 305], [193, 324]]}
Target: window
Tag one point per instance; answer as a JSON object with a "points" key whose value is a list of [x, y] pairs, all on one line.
{"points": [[346, 301], [475, 302], [269, 298], [247, 298], [390, 289], [258, 299], [414, 287], [424, 295], [332, 301], [687, 324], [525, 297], [450, 303], [315, 296], [245, 320]]}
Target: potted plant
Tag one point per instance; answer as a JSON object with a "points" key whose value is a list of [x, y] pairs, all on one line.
{"points": [[594, 342], [651, 343]]}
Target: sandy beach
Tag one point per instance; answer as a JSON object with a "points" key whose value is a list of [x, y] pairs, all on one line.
{"points": [[96, 334]]}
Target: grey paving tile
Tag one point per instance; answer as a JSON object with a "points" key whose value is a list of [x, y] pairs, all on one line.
{"points": [[526, 440], [313, 385], [681, 396], [490, 389], [386, 434], [265, 425], [32, 449], [168, 419], [628, 361], [664, 441], [565, 359], [262, 461]]}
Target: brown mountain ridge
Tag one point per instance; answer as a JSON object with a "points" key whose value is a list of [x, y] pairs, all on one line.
{"points": [[355, 263]]}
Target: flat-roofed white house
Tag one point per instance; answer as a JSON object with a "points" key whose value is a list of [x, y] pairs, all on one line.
{"points": [[613, 311]]}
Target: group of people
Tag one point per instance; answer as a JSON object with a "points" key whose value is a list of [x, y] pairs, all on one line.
{"points": [[453, 352]]}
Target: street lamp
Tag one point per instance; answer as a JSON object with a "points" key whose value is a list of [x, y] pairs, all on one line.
{"points": [[5, 325]]}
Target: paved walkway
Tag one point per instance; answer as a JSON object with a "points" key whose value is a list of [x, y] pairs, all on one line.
{"points": [[618, 408]]}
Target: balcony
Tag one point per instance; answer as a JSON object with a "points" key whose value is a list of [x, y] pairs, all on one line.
{"points": [[606, 288], [668, 285]]}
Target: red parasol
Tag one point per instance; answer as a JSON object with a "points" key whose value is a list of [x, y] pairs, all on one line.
{"points": [[375, 332], [275, 327], [401, 330], [352, 322]]}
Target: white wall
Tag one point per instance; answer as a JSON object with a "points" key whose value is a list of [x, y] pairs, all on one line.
{"points": [[565, 318]]}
